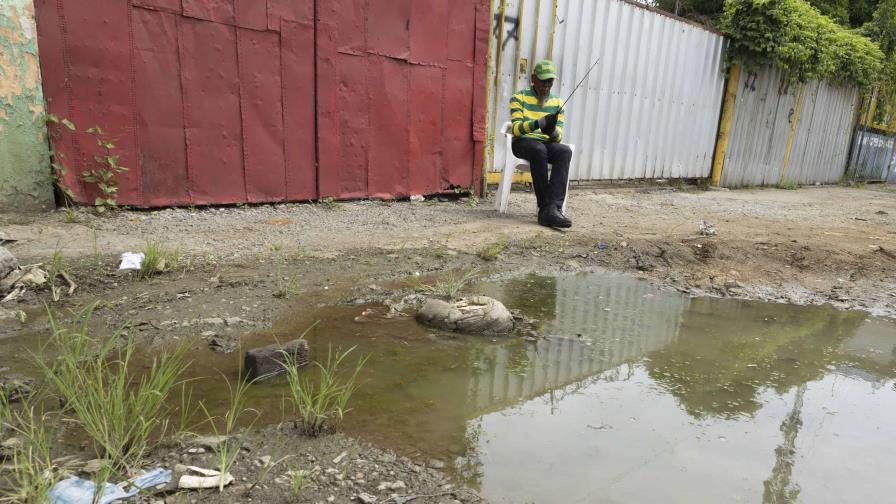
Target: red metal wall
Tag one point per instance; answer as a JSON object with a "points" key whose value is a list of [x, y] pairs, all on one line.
{"points": [[228, 101]]}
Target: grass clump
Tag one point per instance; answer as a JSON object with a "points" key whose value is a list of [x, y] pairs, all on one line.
{"points": [[30, 472], [158, 258], [449, 286], [329, 204], [320, 405], [120, 411], [789, 185], [227, 427], [491, 252]]}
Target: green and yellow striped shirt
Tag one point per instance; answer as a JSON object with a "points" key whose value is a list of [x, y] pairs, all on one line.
{"points": [[525, 113]]}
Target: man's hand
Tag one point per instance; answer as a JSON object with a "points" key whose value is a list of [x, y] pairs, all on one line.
{"points": [[548, 123]]}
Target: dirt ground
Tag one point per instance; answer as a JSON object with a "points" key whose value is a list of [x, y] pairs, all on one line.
{"points": [[832, 245]]}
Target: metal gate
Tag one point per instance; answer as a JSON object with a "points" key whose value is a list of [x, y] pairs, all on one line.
{"points": [[228, 101]]}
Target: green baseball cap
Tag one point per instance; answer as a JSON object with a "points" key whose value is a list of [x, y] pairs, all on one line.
{"points": [[546, 69]]}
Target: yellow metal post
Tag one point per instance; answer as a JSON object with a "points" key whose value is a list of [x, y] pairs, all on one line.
{"points": [[553, 31], [519, 44], [793, 123], [534, 57], [718, 162], [488, 154]]}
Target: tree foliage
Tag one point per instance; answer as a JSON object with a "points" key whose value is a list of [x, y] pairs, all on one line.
{"points": [[851, 13], [795, 36]]}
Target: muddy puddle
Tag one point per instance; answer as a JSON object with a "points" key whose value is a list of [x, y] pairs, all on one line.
{"points": [[636, 395]]}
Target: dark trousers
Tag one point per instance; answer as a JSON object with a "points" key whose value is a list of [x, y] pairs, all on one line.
{"points": [[548, 190]]}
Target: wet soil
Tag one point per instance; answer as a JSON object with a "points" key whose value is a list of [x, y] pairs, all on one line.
{"points": [[247, 269]]}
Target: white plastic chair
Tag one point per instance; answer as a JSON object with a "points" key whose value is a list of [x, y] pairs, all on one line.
{"points": [[512, 163]]}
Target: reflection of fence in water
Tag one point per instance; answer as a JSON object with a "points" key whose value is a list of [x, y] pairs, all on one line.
{"points": [[620, 320]]}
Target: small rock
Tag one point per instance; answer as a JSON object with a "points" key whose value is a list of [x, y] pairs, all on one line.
{"points": [[8, 262], [93, 466], [436, 464], [475, 315], [196, 451], [208, 334], [365, 498], [331, 498], [396, 485], [265, 460], [212, 321], [210, 442]]}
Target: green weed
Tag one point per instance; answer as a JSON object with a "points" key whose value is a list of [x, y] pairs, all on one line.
{"points": [[30, 473], [227, 451], [287, 285], [321, 405], [789, 185], [55, 270], [296, 480], [158, 258], [447, 287], [119, 410], [105, 172], [491, 252], [329, 204]]}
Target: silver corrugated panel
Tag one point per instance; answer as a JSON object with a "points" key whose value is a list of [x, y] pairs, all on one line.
{"points": [[761, 130], [823, 134], [873, 155], [651, 107]]}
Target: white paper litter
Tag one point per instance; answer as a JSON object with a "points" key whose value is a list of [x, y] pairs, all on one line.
{"points": [[131, 261]]}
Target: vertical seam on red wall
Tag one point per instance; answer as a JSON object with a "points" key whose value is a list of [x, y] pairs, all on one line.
{"points": [[369, 98], [67, 68], [443, 178], [283, 109], [244, 145], [133, 93], [185, 108], [315, 98]]}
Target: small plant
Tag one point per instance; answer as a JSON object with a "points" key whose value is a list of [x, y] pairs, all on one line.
{"points": [[56, 270], [158, 258], [287, 285], [96, 384], [70, 216], [789, 185], [296, 480], [30, 473], [472, 199], [449, 286], [57, 159], [227, 451], [491, 252], [320, 406], [105, 173], [264, 470], [330, 204]]}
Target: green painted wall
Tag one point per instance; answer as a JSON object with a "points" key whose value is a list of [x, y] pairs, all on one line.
{"points": [[24, 156]]}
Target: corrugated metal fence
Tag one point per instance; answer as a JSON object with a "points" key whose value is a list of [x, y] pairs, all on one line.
{"points": [[651, 107], [873, 154], [788, 132], [227, 101]]}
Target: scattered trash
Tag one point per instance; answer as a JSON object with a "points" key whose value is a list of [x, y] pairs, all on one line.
{"points": [[8, 262], [131, 261], [209, 479], [706, 229], [20, 280], [75, 490], [601, 246], [417, 198], [341, 456]]}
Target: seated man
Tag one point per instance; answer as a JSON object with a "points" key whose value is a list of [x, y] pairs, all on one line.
{"points": [[537, 119]]}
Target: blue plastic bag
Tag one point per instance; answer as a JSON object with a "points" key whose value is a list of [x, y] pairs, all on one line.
{"points": [[75, 490]]}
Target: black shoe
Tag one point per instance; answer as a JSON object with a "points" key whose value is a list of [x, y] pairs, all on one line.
{"points": [[550, 216]]}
